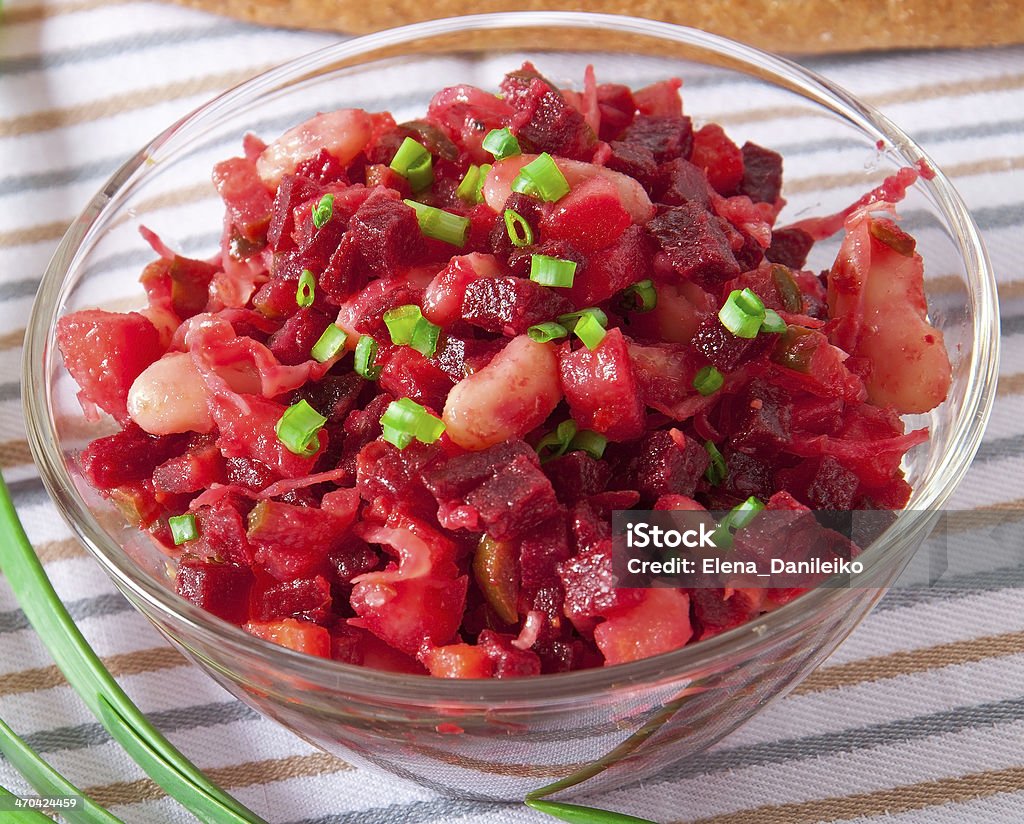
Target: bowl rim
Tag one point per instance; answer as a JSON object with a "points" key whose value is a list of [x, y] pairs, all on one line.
{"points": [[966, 430]]}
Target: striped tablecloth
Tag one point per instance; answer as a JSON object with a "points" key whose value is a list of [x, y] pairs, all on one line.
{"points": [[919, 717]]}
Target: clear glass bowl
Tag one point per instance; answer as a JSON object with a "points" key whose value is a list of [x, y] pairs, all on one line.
{"points": [[501, 739]]}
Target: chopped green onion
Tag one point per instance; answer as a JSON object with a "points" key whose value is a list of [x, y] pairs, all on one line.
{"points": [[773, 322], [738, 517], [366, 354], [742, 514], [640, 297], [441, 225], [485, 169], [593, 443], [331, 342], [544, 332], [306, 291], [413, 162], [554, 444], [401, 322], [501, 143], [183, 528], [323, 211], [424, 337], [405, 420], [552, 271], [717, 470], [590, 331], [570, 319], [742, 313], [299, 429], [469, 188], [541, 178], [519, 231], [708, 380]]}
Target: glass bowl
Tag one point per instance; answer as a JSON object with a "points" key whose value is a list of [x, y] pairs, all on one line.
{"points": [[586, 730]]}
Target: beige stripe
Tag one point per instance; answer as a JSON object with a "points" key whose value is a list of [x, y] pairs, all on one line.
{"points": [[12, 340], [1011, 384], [33, 14], [913, 94], [120, 103], [954, 170], [249, 774], [881, 802], [141, 661], [34, 234], [64, 550], [14, 453], [915, 661]]}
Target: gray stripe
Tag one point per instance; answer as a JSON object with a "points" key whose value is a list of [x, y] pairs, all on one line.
{"points": [[959, 586], [122, 45], [9, 391], [23, 288], [1010, 447], [96, 606], [13, 184], [723, 760], [81, 736], [28, 492], [928, 137]]}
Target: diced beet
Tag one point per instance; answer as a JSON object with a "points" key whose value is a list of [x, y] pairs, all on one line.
{"points": [[442, 300], [747, 476], [292, 541], [351, 558], [364, 311], [660, 99], [457, 476], [292, 191], [665, 137], [591, 589], [683, 183], [577, 475], [220, 589], [719, 158], [291, 344], [306, 598], [387, 234], [543, 119], [182, 281], [669, 463], [507, 661], [322, 168], [129, 455], [222, 530], [634, 160], [510, 305], [762, 173], [790, 247], [723, 348], [822, 484], [275, 299], [714, 613], [105, 352], [246, 197], [601, 390], [406, 373], [613, 269], [759, 419], [385, 471], [692, 239], [363, 425], [540, 553], [249, 472], [515, 499], [200, 467], [334, 396], [616, 104]]}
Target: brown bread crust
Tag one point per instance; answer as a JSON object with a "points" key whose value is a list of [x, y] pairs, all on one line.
{"points": [[789, 26]]}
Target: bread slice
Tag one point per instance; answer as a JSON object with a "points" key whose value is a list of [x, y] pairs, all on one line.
{"points": [[788, 26]]}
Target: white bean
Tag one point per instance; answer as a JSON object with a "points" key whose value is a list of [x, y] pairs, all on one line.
{"points": [[169, 396]]}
